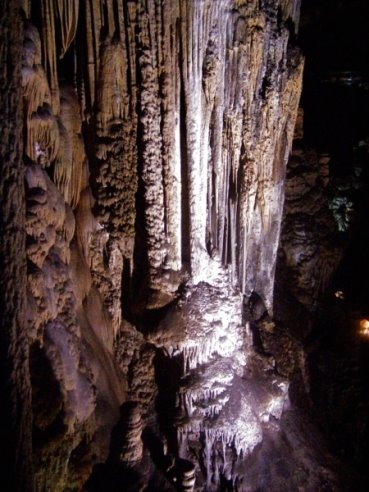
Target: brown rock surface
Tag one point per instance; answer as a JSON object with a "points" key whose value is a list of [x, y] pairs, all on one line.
{"points": [[15, 437], [156, 137]]}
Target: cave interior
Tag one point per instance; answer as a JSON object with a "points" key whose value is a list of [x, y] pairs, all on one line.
{"points": [[184, 254]]}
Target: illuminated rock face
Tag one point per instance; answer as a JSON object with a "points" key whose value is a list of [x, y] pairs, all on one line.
{"points": [[224, 400], [156, 140]]}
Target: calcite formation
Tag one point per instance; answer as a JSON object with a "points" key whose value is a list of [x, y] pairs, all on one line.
{"points": [[222, 400], [156, 136], [131, 450]]}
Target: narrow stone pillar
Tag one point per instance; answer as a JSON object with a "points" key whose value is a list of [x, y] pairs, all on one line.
{"points": [[132, 446]]}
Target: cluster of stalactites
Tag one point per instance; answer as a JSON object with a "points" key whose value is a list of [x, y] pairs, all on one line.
{"points": [[112, 98], [105, 22], [42, 133], [70, 162], [59, 20], [213, 126], [67, 15], [52, 137]]}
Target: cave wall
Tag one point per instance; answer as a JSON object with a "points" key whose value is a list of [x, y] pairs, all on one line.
{"points": [[156, 135], [14, 349]]}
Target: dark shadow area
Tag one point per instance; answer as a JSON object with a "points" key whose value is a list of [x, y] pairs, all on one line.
{"points": [[339, 352], [168, 372], [115, 478], [47, 400], [126, 290], [185, 217], [335, 100]]}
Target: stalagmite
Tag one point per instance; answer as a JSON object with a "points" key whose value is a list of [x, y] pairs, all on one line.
{"points": [[132, 446], [186, 475]]}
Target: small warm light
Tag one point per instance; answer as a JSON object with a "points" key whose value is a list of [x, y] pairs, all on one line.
{"points": [[339, 294], [364, 327]]}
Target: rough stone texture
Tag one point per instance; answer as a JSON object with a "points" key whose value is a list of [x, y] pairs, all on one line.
{"points": [[310, 251], [131, 448], [224, 398], [311, 243], [69, 330], [210, 172], [156, 140], [15, 436]]}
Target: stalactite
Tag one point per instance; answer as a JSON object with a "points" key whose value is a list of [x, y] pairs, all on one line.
{"points": [[291, 10], [34, 81], [195, 33], [92, 58], [67, 15], [167, 160], [36, 89], [68, 170], [104, 24], [26, 6], [112, 94], [86, 223], [169, 73], [116, 175], [49, 58], [151, 142], [42, 131], [43, 137], [116, 148]]}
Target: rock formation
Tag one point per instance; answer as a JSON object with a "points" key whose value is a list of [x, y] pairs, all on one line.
{"points": [[14, 347], [131, 450], [156, 135], [311, 244]]}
